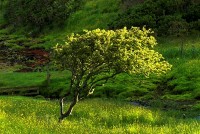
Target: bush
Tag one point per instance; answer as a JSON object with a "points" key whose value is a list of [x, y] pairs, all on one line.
{"points": [[192, 13], [172, 25], [163, 16], [37, 14]]}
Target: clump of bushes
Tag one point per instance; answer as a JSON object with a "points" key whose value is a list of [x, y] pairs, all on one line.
{"points": [[38, 14], [165, 17]]}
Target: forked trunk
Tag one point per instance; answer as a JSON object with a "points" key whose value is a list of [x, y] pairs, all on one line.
{"points": [[70, 109]]}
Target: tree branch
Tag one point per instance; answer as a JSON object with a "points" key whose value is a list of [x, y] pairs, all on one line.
{"points": [[106, 78]]}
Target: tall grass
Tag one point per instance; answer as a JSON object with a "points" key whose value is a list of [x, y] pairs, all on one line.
{"points": [[26, 115]]}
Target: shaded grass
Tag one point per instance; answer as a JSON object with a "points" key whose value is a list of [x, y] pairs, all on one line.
{"points": [[26, 115]]}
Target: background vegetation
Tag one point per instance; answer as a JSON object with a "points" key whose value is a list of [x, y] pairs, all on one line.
{"points": [[35, 15], [165, 17]]}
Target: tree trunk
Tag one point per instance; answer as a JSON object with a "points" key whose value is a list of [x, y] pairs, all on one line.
{"points": [[70, 109]]}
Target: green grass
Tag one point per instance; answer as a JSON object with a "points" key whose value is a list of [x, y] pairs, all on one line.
{"points": [[176, 48], [26, 115], [182, 82], [18, 79], [14, 79]]}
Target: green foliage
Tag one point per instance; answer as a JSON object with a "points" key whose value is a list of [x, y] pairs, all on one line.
{"points": [[37, 14], [98, 55], [126, 86], [192, 13], [163, 16]]}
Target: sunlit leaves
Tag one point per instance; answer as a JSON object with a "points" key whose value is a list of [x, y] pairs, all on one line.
{"points": [[122, 50], [99, 55]]}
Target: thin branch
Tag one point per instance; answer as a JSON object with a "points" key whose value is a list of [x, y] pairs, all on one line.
{"points": [[106, 78]]}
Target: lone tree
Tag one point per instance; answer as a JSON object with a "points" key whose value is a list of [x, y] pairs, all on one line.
{"points": [[99, 55]]}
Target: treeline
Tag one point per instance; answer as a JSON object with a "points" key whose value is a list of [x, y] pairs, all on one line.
{"points": [[39, 14], [165, 17]]}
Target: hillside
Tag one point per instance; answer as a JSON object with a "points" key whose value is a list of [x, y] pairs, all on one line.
{"points": [[183, 52]]}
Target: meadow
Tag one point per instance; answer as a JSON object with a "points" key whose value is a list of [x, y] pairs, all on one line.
{"points": [[173, 99], [29, 115]]}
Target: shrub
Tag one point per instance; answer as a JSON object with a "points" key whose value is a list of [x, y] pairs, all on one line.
{"points": [[38, 14], [160, 15], [172, 25]]}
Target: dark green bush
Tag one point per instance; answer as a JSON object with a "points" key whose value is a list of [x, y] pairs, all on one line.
{"points": [[38, 14], [172, 25], [163, 16], [192, 13]]}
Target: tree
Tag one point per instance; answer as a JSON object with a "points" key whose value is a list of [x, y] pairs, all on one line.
{"points": [[99, 55]]}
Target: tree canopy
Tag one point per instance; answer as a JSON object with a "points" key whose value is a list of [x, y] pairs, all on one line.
{"points": [[98, 55]]}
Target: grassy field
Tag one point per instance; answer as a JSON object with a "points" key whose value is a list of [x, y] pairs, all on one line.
{"points": [[28, 115]]}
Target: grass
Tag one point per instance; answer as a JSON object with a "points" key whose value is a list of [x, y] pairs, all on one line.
{"points": [[184, 54], [176, 48], [27, 115], [14, 79], [182, 83], [18, 79]]}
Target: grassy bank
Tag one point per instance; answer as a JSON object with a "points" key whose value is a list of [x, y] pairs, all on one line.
{"points": [[26, 115]]}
